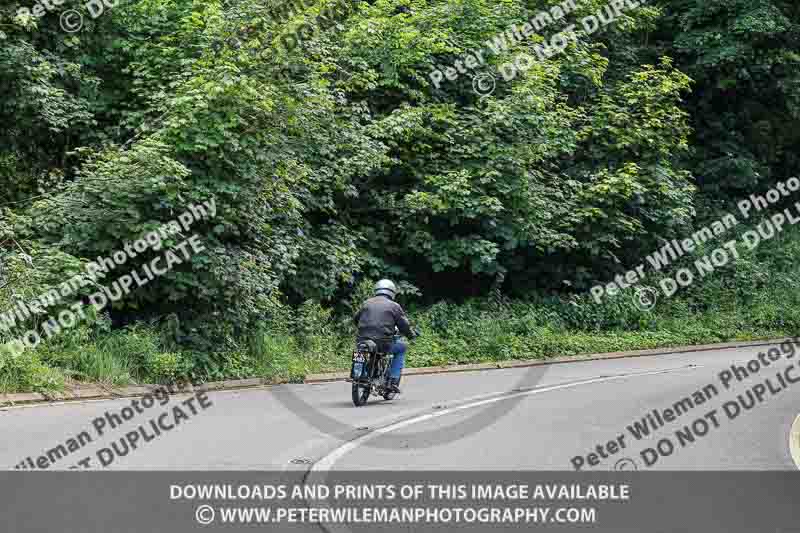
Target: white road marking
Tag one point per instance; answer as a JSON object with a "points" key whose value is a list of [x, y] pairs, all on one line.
{"points": [[327, 462], [794, 441]]}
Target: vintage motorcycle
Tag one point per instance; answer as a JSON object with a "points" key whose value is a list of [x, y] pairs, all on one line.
{"points": [[369, 372]]}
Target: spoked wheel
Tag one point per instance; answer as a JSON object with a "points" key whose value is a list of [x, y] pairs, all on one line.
{"points": [[360, 393]]}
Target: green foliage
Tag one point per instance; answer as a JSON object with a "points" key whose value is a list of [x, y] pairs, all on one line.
{"points": [[22, 371], [743, 56], [165, 367], [338, 162]]}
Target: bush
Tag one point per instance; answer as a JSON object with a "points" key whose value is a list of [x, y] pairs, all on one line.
{"points": [[165, 367], [21, 370], [291, 343]]}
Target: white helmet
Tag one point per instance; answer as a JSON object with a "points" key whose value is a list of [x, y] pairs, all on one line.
{"points": [[385, 287]]}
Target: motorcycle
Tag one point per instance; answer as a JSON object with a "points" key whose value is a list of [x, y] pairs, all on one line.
{"points": [[370, 371]]}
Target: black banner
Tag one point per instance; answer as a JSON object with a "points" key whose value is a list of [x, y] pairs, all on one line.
{"points": [[149, 502]]}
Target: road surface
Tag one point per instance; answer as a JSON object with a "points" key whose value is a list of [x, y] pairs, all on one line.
{"points": [[558, 417]]}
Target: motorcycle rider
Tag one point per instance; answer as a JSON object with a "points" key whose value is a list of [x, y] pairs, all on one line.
{"points": [[376, 321]]}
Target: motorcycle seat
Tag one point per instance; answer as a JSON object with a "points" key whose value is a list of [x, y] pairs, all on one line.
{"points": [[368, 346]]}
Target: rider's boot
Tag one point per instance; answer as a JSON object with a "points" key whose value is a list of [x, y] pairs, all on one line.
{"points": [[394, 385]]}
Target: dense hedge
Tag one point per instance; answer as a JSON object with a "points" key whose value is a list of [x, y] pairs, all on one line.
{"points": [[339, 161]]}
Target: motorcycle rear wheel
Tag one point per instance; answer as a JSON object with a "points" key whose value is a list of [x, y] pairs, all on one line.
{"points": [[360, 393]]}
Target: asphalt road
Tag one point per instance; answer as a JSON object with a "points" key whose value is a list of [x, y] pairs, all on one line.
{"points": [[551, 418]]}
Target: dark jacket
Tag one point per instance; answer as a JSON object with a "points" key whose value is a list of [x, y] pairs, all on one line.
{"points": [[377, 319]]}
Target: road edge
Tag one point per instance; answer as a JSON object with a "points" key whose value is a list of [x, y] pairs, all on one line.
{"points": [[103, 393], [524, 363]]}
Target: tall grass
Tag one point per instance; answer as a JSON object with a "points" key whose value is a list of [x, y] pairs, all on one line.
{"points": [[754, 298]]}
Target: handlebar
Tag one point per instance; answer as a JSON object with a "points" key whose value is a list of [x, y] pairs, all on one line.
{"points": [[415, 331]]}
